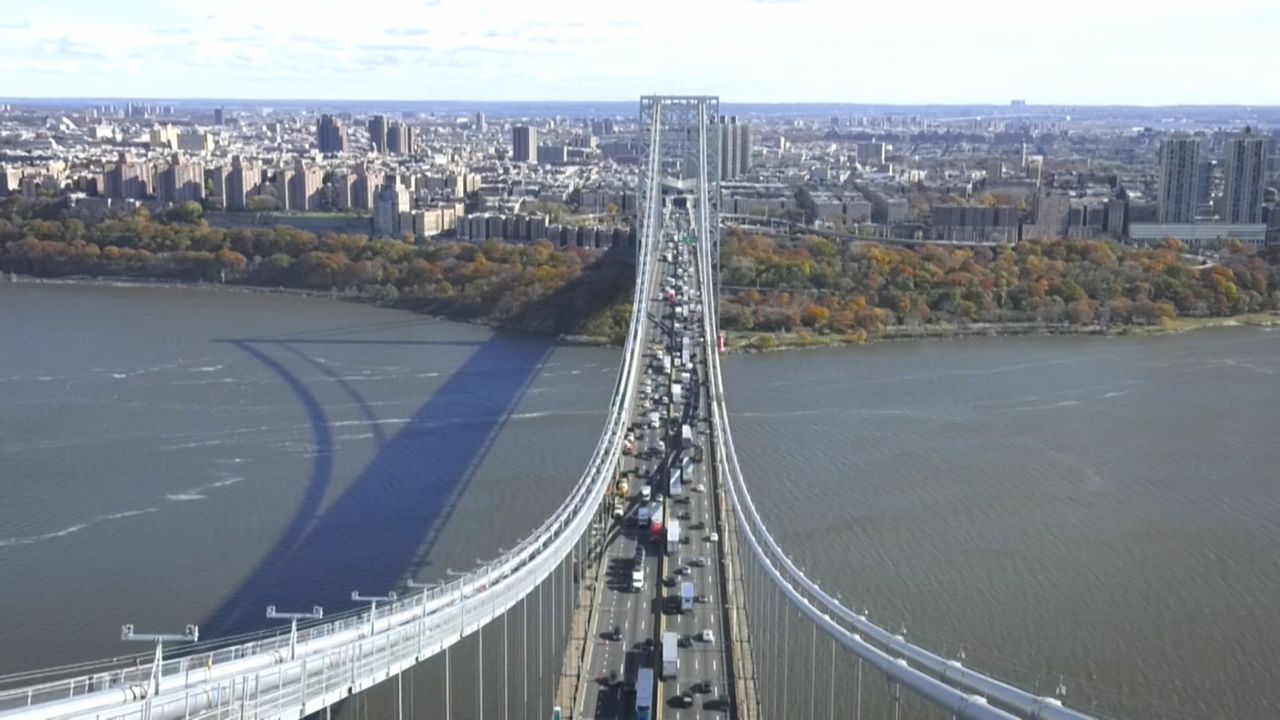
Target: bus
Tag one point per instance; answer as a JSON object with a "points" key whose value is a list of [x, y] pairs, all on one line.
{"points": [[644, 694]]}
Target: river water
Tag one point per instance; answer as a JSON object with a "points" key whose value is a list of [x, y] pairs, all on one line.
{"points": [[191, 456], [1101, 510], [1104, 510]]}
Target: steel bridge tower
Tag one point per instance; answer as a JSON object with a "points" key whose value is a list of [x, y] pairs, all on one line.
{"points": [[677, 136]]}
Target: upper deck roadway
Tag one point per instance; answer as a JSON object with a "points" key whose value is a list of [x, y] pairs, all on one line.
{"points": [[640, 616]]}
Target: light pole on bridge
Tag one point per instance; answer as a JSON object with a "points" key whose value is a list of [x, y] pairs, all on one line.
{"points": [[191, 634], [373, 601], [316, 613]]}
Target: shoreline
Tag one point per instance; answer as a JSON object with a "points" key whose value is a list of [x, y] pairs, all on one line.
{"points": [[747, 342], [344, 296], [737, 342]]}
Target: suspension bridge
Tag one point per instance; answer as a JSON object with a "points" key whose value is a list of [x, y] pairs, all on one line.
{"points": [[654, 590]]}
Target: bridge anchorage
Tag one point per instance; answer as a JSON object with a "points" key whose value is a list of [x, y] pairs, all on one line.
{"points": [[654, 590]]}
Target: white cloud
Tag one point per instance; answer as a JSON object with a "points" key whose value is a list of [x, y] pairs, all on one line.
{"points": [[752, 50]]}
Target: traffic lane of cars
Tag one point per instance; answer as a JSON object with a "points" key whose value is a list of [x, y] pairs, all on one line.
{"points": [[623, 630]]}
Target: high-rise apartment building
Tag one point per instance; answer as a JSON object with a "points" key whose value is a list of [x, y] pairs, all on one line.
{"points": [[340, 191], [164, 137], [284, 186], [378, 133], [243, 180], [392, 201], [1179, 178], [215, 181], [218, 116], [306, 184], [728, 147], [480, 122], [127, 180], [331, 135], [180, 182], [399, 139], [524, 144], [1245, 170], [363, 189], [735, 147], [195, 141]]}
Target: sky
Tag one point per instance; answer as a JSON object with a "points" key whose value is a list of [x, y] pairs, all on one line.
{"points": [[1090, 52]]}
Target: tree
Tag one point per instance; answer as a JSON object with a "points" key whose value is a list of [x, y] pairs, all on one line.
{"points": [[188, 213], [815, 315]]}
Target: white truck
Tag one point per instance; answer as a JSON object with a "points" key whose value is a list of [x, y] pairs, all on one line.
{"points": [[670, 656]]}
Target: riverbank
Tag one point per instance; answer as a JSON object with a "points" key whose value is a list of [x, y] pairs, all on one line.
{"points": [[348, 296], [736, 341], [753, 342]]}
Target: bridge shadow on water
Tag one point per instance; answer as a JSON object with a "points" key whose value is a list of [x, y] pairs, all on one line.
{"points": [[380, 527], [379, 530]]}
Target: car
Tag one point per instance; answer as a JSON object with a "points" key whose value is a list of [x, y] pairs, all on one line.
{"points": [[670, 581], [701, 599], [713, 537], [684, 515], [685, 641], [700, 487], [683, 700], [698, 562], [647, 644], [706, 687], [617, 633], [707, 636], [683, 570], [716, 703]]}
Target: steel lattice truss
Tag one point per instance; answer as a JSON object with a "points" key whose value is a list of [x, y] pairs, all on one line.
{"points": [[678, 147]]}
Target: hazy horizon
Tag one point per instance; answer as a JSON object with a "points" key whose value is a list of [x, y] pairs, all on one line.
{"points": [[477, 102]]}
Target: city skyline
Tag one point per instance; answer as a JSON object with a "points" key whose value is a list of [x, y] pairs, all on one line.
{"points": [[764, 51]]}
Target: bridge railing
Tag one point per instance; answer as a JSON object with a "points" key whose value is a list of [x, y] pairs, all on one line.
{"points": [[335, 658]]}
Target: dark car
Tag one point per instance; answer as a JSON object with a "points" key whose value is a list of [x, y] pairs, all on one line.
{"points": [[617, 632], [684, 641], [683, 700], [718, 703]]}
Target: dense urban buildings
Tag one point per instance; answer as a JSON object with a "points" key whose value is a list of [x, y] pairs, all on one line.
{"points": [[974, 176]]}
